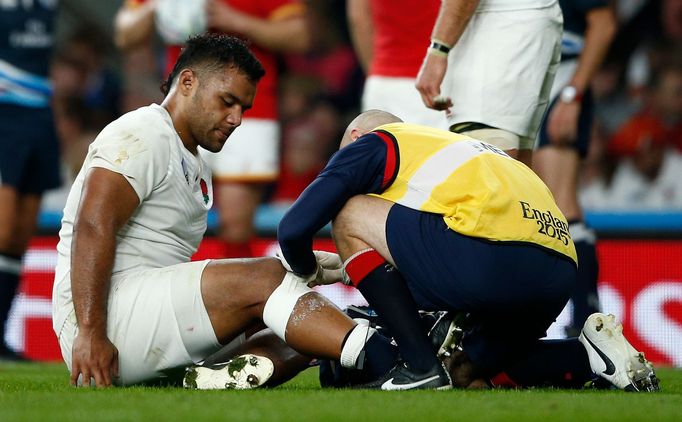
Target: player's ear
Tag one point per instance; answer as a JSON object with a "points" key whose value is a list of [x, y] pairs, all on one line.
{"points": [[186, 81]]}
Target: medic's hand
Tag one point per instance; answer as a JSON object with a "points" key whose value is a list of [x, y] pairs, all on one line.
{"points": [[329, 268]]}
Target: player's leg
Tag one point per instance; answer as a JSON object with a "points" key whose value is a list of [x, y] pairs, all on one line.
{"points": [[239, 293], [16, 233], [504, 91], [558, 166], [466, 84], [29, 165], [286, 361], [601, 356], [156, 319], [168, 318], [360, 236], [236, 293], [10, 260], [507, 141], [549, 363]]}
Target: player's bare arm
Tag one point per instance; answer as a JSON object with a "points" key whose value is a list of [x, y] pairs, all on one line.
{"points": [[134, 24], [361, 30], [452, 20], [290, 34], [562, 123], [107, 202]]}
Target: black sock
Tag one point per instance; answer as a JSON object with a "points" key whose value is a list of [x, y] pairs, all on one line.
{"points": [[555, 363], [380, 355], [10, 267], [386, 292], [585, 296]]}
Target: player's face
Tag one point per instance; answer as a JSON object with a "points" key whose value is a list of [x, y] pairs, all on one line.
{"points": [[221, 100]]}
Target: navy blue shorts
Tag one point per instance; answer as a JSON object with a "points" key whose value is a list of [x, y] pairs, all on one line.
{"points": [[29, 149], [513, 291], [585, 118]]}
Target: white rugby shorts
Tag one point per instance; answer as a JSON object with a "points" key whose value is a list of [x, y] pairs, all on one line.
{"points": [[157, 320], [251, 153], [400, 97], [501, 70]]}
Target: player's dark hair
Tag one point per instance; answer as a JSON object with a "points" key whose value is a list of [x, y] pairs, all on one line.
{"points": [[213, 51]]}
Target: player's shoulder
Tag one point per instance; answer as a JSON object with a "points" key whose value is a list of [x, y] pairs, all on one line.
{"points": [[148, 128], [145, 120], [150, 124]]}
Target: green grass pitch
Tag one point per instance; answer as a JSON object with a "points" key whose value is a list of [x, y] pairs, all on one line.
{"points": [[40, 392]]}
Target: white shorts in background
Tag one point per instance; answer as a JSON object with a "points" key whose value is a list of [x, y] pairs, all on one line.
{"points": [[501, 70], [251, 153], [399, 96], [157, 320]]}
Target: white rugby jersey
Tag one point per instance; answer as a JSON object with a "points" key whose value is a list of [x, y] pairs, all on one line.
{"points": [[502, 5], [173, 185]]}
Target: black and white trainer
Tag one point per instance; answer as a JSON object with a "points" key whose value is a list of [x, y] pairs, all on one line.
{"points": [[613, 358], [401, 377]]}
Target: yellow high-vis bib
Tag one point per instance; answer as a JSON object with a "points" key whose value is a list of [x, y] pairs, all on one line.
{"points": [[478, 189]]}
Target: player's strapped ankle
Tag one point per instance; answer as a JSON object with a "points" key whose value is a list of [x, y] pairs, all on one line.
{"points": [[361, 263], [439, 48], [354, 344], [281, 303]]}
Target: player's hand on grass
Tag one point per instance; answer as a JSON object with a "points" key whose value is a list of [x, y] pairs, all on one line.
{"points": [[94, 356]]}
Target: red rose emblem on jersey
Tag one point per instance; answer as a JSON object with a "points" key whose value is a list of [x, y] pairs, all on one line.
{"points": [[204, 190]]}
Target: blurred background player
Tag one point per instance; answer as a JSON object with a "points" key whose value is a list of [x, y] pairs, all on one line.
{"points": [[589, 26], [389, 37], [251, 158], [497, 84], [29, 150]]}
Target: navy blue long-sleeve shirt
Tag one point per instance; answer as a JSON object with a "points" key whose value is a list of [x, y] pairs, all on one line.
{"points": [[368, 165]]}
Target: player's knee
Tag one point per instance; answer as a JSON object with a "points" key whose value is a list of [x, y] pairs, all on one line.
{"points": [[271, 274], [281, 303]]}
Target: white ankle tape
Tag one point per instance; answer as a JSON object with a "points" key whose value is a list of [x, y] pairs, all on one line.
{"points": [[355, 343], [281, 303]]}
